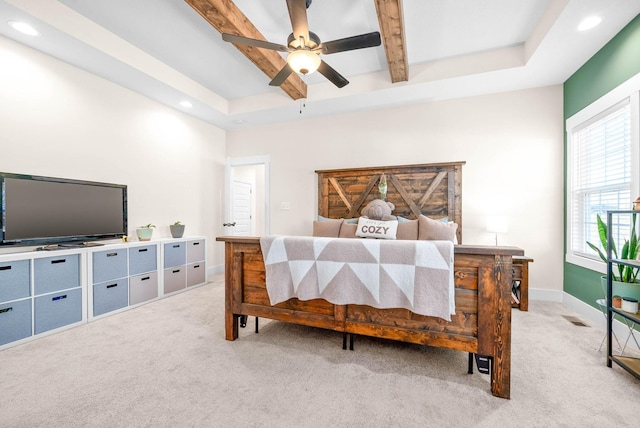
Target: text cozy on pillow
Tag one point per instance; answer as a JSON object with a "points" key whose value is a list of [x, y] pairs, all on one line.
{"points": [[368, 228]]}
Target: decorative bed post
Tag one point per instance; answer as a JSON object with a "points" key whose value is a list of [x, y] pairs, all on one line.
{"points": [[494, 285]]}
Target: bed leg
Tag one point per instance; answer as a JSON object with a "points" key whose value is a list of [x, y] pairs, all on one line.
{"points": [[256, 324], [470, 371], [344, 340], [243, 320], [230, 326], [351, 341]]}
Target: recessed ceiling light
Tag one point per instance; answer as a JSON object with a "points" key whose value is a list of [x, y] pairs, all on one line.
{"points": [[186, 104], [23, 27], [589, 23]]}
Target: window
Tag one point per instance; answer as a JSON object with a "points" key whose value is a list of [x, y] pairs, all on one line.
{"points": [[601, 177], [603, 173]]}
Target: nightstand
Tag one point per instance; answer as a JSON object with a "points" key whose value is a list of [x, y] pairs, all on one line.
{"points": [[520, 282]]}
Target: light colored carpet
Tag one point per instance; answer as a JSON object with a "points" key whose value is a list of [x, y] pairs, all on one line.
{"points": [[167, 364]]}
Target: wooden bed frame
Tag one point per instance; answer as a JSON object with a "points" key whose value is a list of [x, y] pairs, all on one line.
{"points": [[482, 323]]}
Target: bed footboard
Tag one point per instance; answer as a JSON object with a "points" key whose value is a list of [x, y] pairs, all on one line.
{"points": [[481, 324]]}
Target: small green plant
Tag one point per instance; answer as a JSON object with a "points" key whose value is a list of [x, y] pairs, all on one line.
{"points": [[630, 251], [148, 226], [177, 229]]}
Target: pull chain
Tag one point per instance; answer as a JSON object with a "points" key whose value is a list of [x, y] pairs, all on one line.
{"points": [[303, 101]]}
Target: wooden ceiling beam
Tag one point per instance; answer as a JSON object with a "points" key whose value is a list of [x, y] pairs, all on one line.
{"points": [[392, 31], [225, 17]]}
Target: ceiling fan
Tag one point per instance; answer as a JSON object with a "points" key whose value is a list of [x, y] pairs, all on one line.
{"points": [[305, 47]]}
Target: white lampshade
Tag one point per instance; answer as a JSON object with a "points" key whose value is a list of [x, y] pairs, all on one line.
{"points": [[497, 224], [303, 61]]}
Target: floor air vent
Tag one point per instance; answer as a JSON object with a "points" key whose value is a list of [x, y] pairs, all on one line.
{"points": [[574, 320]]}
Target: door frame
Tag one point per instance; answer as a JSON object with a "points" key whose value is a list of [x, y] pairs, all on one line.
{"points": [[247, 161]]}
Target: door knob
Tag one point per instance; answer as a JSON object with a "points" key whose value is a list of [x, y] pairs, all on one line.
{"points": [[229, 224]]}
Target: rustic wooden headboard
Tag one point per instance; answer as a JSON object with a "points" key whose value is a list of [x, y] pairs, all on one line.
{"points": [[434, 190]]}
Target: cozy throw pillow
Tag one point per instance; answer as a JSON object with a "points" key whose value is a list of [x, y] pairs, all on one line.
{"points": [[329, 228], [436, 230], [368, 228]]}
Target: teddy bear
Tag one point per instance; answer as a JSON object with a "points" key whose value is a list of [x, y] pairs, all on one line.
{"points": [[379, 210]]}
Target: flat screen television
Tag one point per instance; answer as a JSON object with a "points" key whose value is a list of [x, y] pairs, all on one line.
{"points": [[47, 210]]}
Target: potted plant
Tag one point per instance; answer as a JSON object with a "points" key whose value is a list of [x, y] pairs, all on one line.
{"points": [[624, 278], [177, 229], [144, 232]]}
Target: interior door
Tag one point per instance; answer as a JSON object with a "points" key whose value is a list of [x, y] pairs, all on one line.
{"points": [[253, 170], [242, 208]]}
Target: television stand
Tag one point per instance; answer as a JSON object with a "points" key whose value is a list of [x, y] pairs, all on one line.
{"points": [[46, 291]]}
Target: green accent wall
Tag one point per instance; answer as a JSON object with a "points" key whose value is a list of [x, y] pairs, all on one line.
{"points": [[615, 63]]}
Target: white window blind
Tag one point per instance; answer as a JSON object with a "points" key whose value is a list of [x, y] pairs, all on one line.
{"points": [[601, 175]]}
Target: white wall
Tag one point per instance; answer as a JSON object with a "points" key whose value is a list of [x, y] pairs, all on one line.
{"points": [[57, 120], [512, 143]]}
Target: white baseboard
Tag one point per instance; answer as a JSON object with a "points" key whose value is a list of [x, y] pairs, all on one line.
{"points": [[596, 318], [593, 316], [213, 270], [545, 295]]}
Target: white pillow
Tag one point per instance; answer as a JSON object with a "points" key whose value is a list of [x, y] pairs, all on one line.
{"points": [[368, 228]]}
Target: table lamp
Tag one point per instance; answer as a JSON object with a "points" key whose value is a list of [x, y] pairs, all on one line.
{"points": [[497, 224]]}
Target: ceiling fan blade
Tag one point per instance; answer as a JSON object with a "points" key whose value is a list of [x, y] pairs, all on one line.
{"points": [[298, 16], [281, 76], [336, 78], [240, 40], [367, 40]]}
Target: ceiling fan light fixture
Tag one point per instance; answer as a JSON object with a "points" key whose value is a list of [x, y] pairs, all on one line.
{"points": [[303, 61]]}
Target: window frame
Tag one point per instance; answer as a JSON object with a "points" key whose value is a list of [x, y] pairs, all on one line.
{"points": [[627, 90]]}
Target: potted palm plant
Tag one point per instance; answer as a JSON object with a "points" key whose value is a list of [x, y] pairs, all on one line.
{"points": [[624, 278], [144, 232]]}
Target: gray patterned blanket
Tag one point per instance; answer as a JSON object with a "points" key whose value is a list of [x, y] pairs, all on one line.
{"points": [[415, 275]]}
